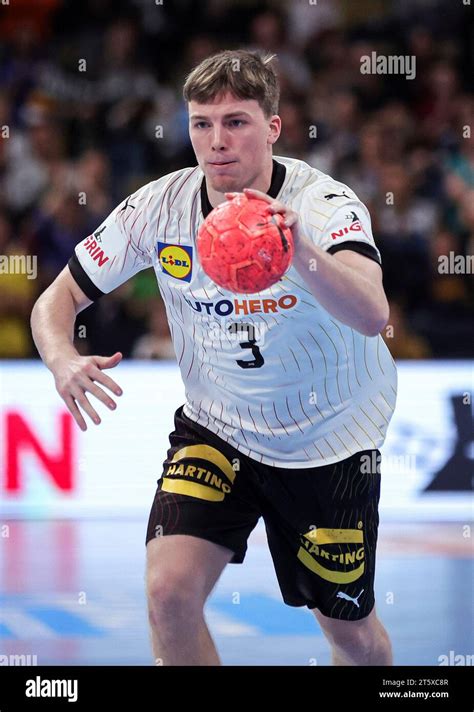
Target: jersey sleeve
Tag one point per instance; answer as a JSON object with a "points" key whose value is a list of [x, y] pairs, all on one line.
{"points": [[335, 227], [117, 250]]}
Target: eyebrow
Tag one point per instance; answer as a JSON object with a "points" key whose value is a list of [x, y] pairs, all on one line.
{"points": [[226, 116]]}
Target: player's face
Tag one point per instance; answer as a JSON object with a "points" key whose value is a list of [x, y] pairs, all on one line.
{"points": [[232, 141]]}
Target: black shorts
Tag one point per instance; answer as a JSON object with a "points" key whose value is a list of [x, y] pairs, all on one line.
{"points": [[321, 522]]}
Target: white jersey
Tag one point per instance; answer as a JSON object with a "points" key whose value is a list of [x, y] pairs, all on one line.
{"points": [[274, 374]]}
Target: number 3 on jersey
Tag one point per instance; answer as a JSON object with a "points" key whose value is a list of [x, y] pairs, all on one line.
{"points": [[251, 343]]}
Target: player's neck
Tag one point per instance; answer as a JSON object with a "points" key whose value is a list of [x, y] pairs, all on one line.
{"points": [[262, 182]]}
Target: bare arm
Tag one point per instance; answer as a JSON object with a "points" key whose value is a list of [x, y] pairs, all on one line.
{"points": [[52, 325], [53, 318], [347, 284]]}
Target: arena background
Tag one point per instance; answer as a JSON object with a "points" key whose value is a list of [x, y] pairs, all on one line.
{"points": [[91, 109]]}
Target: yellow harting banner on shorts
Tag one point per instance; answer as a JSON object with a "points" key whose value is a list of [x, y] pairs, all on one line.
{"points": [[199, 481], [313, 551]]}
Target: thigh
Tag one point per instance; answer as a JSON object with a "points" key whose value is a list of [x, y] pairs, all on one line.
{"points": [[322, 531], [201, 493], [185, 562]]}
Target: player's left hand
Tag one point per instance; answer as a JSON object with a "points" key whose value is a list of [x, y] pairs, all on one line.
{"points": [[275, 206]]}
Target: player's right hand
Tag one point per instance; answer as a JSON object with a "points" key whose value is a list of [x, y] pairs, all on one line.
{"points": [[76, 375]]}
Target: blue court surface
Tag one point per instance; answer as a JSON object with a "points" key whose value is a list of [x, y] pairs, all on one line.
{"points": [[72, 592]]}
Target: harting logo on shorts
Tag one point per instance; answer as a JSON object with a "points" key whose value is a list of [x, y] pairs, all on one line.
{"points": [[336, 555], [207, 474]]}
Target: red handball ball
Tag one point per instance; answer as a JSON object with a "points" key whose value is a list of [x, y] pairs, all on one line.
{"points": [[244, 248]]}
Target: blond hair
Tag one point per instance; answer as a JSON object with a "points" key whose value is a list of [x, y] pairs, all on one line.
{"points": [[243, 73]]}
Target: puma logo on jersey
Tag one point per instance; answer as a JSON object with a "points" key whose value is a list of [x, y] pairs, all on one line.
{"points": [[355, 600], [127, 205], [330, 196]]}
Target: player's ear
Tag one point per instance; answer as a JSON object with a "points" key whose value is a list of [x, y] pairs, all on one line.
{"points": [[274, 129]]}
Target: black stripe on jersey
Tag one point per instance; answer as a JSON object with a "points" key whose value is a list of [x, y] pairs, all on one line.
{"points": [[83, 279], [278, 177], [363, 248]]}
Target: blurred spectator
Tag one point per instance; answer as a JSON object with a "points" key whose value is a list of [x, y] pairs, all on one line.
{"points": [[437, 103], [295, 140], [459, 178], [127, 90], [338, 124], [362, 171], [268, 32], [403, 217], [28, 17], [445, 318], [33, 157], [404, 225], [307, 21], [57, 226], [25, 28], [93, 181]]}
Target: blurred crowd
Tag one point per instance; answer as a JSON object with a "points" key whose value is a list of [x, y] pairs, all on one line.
{"points": [[84, 86]]}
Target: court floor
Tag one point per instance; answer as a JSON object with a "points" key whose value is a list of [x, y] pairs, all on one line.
{"points": [[71, 592]]}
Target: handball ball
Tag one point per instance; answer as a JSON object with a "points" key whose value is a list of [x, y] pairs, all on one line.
{"points": [[244, 248]]}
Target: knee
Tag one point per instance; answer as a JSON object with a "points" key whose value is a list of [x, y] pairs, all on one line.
{"points": [[359, 641], [172, 597], [356, 641]]}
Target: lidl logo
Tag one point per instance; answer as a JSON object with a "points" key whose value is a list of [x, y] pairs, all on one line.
{"points": [[176, 260]]}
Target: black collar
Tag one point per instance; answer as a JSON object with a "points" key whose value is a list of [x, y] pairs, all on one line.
{"points": [[278, 176]]}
